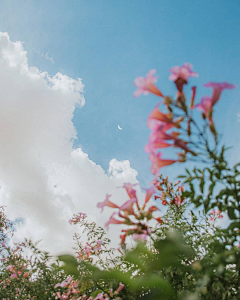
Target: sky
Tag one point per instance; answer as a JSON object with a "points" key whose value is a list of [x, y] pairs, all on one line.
{"points": [[61, 149]]}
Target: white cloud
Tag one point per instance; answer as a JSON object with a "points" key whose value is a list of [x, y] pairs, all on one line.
{"points": [[47, 57], [43, 180]]}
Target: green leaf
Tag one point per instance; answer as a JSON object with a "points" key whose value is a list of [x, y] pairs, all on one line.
{"points": [[231, 213]]}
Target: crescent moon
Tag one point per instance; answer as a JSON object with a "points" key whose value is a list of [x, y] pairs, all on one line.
{"points": [[119, 127]]}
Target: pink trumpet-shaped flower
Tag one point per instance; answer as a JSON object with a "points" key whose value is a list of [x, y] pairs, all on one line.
{"points": [[99, 297], [205, 105], [128, 206], [154, 144], [153, 208], [107, 203], [159, 220], [159, 116], [121, 286], [149, 192], [112, 220], [129, 189], [207, 102], [158, 162], [182, 72], [218, 88], [157, 125], [146, 85]]}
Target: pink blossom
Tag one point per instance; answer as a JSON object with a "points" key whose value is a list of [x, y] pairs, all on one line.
{"points": [[128, 206], [182, 72], [99, 245], [77, 218], [207, 102], [99, 297], [153, 208], [215, 215], [218, 88], [25, 274], [14, 275], [112, 220], [121, 286], [149, 192], [159, 220], [157, 115], [129, 189], [146, 85], [178, 200], [107, 203], [206, 106], [140, 237], [155, 143], [123, 238], [158, 125], [11, 268], [158, 162]]}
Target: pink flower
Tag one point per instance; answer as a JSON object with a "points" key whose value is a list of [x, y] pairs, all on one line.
{"points": [[123, 238], [159, 220], [107, 203], [155, 143], [99, 297], [156, 114], [128, 206], [146, 85], [25, 274], [218, 88], [153, 208], [14, 275], [99, 245], [149, 192], [140, 237], [206, 106], [158, 162], [215, 215], [178, 200], [129, 189], [182, 72], [112, 220], [77, 218], [207, 102], [121, 286], [11, 268]]}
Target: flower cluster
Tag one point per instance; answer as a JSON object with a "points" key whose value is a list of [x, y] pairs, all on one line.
{"points": [[77, 217], [215, 214], [71, 290], [170, 193], [132, 214], [89, 249], [173, 128], [110, 294]]}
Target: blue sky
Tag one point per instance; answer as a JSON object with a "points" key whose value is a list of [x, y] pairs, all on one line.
{"points": [[109, 43]]}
